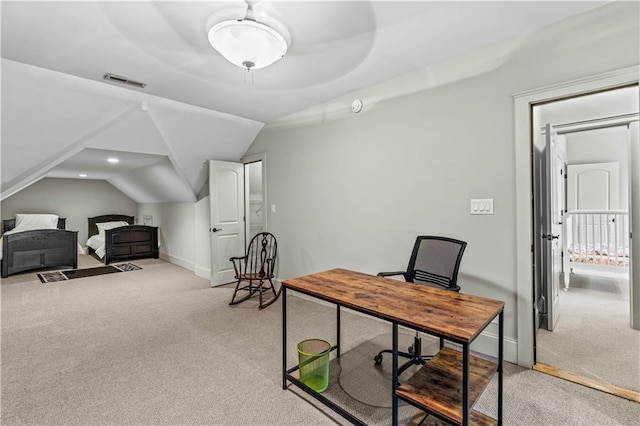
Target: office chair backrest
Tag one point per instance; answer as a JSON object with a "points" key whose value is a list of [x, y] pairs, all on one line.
{"points": [[435, 261]]}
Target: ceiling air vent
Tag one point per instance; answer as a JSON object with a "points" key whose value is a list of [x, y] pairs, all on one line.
{"points": [[123, 80]]}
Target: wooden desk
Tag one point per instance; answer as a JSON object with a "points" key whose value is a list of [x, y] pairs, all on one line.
{"points": [[456, 317]]}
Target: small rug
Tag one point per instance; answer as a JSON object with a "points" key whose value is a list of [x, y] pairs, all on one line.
{"points": [[48, 277]]}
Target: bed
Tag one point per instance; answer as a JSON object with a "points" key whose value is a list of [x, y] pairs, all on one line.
{"points": [[32, 241], [596, 240], [115, 237]]}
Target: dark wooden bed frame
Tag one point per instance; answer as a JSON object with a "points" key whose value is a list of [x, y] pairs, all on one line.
{"points": [[126, 242], [41, 248]]}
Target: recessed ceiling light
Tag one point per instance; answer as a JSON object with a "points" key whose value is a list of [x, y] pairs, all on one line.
{"points": [[82, 175], [113, 160]]}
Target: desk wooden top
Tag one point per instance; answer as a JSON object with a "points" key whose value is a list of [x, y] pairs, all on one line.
{"points": [[445, 313]]}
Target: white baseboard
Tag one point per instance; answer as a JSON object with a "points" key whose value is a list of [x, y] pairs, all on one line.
{"points": [[486, 343], [202, 272], [177, 261]]}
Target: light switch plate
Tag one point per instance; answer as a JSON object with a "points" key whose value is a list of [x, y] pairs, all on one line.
{"points": [[481, 206]]}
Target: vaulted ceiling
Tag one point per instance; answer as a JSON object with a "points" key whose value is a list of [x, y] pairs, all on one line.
{"points": [[60, 118]]}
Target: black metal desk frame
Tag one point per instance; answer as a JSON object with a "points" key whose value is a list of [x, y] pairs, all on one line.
{"points": [[466, 409]]}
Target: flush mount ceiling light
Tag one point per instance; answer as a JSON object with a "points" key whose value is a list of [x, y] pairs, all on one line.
{"points": [[247, 43], [113, 160]]}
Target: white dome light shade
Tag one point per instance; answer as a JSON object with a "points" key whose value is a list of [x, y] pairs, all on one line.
{"points": [[247, 43]]}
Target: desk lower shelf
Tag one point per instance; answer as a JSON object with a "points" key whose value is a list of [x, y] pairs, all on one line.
{"points": [[437, 387]]}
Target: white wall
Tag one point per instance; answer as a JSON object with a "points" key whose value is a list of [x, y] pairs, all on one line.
{"points": [[354, 190], [608, 145], [75, 199], [596, 146], [202, 238], [592, 107], [176, 230]]}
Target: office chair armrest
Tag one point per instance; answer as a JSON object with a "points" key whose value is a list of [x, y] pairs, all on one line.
{"points": [[391, 274]]}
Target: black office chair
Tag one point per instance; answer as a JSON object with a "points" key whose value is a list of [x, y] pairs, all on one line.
{"points": [[434, 262], [256, 268]]}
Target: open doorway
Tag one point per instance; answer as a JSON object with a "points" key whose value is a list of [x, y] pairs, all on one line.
{"points": [[584, 308], [254, 200], [255, 195]]}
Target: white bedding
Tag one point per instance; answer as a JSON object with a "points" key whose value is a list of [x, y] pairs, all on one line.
{"points": [[96, 242], [29, 222], [103, 226]]}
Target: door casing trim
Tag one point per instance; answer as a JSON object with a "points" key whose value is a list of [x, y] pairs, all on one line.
{"points": [[524, 227]]}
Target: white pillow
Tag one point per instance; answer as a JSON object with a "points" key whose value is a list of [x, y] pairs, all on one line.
{"points": [[103, 226], [27, 222]]}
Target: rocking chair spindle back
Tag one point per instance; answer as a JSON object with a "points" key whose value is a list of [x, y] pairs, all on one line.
{"points": [[254, 271]]}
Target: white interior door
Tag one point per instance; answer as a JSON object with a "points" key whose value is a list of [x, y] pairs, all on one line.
{"points": [[594, 186], [226, 194], [554, 206], [634, 216]]}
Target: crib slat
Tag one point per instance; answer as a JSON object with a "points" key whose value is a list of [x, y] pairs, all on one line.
{"points": [[598, 239]]}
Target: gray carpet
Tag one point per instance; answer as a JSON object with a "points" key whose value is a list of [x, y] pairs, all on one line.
{"points": [[161, 347], [593, 337]]}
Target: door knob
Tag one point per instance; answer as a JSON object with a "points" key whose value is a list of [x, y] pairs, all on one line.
{"points": [[215, 229]]}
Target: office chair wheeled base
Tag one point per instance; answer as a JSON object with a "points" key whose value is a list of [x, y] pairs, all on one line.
{"points": [[414, 354]]}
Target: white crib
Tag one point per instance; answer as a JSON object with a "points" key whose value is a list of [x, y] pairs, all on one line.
{"points": [[595, 239]]}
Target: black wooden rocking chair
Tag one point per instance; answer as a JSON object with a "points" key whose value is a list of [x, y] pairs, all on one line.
{"points": [[254, 271]]}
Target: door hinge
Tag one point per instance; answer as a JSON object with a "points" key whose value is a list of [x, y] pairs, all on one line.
{"points": [[542, 305]]}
